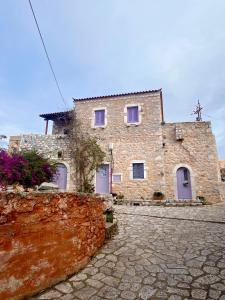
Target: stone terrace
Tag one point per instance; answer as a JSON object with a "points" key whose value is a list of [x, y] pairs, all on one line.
{"points": [[159, 253]]}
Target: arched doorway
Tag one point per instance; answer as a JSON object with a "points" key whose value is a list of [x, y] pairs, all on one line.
{"points": [[184, 189], [60, 177]]}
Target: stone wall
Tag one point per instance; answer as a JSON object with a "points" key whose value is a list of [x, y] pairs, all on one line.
{"points": [[135, 142], [162, 147], [55, 147], [192, 145], [222, 186], [45, 237]]}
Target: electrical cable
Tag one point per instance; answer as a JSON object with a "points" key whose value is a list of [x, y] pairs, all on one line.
{"points": [[46, 52]]}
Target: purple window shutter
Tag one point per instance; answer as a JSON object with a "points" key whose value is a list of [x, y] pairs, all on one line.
{"points": [[100, 117], [132, 114], [138, 171]]}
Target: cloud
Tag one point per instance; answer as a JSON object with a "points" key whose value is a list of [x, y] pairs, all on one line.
{"points": [[103, 47]]}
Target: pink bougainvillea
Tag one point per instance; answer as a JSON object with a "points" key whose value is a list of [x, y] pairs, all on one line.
{"points": [[27, 169]]}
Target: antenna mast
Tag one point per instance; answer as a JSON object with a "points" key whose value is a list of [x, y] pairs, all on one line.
{"points": [[198, 112]]}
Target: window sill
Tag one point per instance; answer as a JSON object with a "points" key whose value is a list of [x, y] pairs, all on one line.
{"points": [[96, 127], [139, 179], [132, 124]]}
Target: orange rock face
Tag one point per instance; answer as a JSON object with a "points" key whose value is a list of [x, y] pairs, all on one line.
{"points": [[45, 237]]}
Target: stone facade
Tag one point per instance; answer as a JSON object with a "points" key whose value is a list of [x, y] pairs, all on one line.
{"points": [[161, 148], [45, 237], [55, 147]]}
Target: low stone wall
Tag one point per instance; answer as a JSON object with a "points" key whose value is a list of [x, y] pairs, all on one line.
{"points": [[44, 237]]}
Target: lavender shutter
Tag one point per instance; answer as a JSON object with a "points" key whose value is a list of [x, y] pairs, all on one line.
{"points": [[100, 117], [132, 114]]}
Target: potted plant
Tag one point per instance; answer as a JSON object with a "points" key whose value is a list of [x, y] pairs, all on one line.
{"points": [[158, 195]]}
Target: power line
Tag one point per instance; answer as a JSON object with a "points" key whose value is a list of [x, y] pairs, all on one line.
{"points": [[46, 52]]}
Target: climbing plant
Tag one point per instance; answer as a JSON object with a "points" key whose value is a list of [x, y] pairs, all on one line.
{"points": [[222, 173], [86, 155]]}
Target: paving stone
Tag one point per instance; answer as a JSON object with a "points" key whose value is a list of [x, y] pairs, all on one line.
{"points": [[175, 297], [95, 283], [146, 292], [111, 281], [90, 271], [111, 257], [109, 292], [98, 276], [199, 294], [149, 280], [78, 284], [100, 263], [208, 279], [64, 287], [135, 287], [155, 258], [211, 270], [176, 291], [218, 286], [128, 295], [78, 277], [85, 293], [161, 295], [214, 294], [195, 272], [67, 297], [50, 295]]}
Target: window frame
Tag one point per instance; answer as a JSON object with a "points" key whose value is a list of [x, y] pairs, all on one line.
{"points": [[145, 169], [139, 114], [93, 125], [117, 174]]}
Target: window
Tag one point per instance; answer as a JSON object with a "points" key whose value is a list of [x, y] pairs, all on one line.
{"points": [[132, 114], [99, 117], [138, 171], [117, 178], [66, 131]]}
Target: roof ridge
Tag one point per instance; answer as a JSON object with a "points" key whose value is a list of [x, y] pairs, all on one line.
{"points": [[117, 95]]}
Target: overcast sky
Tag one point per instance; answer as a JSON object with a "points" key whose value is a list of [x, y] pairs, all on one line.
{"points": [[101, 47]]}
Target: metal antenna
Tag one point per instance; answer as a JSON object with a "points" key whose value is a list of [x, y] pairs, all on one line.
{"points": [[198, 112]]}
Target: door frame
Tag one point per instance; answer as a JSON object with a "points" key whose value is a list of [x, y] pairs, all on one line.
{"points": [[110, 177], [68, 172], [192, 179]]}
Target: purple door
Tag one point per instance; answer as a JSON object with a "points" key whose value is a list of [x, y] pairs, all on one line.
{"points": [[61, 176], [102, 180], [184, 184]]}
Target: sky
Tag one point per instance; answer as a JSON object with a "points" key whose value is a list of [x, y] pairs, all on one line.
{"points": [[101, 47]]}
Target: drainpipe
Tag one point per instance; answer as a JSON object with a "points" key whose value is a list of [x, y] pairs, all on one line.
{"points": [[46, 127], [110, 167]]}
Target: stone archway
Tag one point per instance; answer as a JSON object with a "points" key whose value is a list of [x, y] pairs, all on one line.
{"points": [[184, 182], [184, 188]]}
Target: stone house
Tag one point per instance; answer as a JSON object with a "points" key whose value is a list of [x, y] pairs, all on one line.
{"points": [[146, 157]]}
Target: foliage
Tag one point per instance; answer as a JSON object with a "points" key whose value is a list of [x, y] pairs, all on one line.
{"points": [[202, 199], [109, 216], [118, 198], [158, 195], [222, 173], [12, 168], [27, 169], [87, 156], [39, 169]]}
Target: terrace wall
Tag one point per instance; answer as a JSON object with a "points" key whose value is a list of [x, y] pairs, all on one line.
{"points": [[44, 237]]}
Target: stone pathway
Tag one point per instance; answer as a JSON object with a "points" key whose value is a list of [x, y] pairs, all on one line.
{"points": [[155, 256]]}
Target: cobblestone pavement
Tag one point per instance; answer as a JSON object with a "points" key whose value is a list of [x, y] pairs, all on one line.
{"points": [[155, 258]]}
